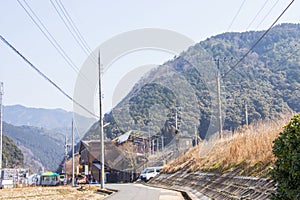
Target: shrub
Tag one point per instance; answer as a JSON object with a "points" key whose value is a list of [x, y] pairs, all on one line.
{"points": [[286, 172]]}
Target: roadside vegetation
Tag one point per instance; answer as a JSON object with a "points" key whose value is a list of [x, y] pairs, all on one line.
{"points": [[247, 152], [287, 165], [52, 193]]}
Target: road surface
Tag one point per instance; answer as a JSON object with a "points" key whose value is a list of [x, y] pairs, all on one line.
{"points": [[139, 191]]}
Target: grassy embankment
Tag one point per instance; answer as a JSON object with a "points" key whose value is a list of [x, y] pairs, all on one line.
{"points": [[247, 152]]}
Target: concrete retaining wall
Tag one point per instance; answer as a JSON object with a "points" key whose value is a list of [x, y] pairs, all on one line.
{"points": [[212, 186]]}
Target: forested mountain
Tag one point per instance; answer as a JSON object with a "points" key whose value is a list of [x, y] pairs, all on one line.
{"points": [[40, 133], [19, 115], [40, 148], [263, 85], [12, 156], [57, 120]]}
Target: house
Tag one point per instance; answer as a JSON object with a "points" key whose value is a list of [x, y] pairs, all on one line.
{"points": [[138, 138], [125, 156], [117, 165]]}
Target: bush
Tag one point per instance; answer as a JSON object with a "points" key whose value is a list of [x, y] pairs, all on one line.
{"points": [[286, 172]]}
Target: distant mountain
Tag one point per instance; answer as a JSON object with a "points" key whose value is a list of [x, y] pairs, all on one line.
{"points": [[263, 85], [40, 133], [50, 119], [40, 147]]}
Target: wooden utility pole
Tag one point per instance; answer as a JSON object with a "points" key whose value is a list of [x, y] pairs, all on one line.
{"points": [[101, 123]]}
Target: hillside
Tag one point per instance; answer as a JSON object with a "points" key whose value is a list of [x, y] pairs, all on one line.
{"points": [[248, 152], [12, 156], [265, 83], [39, 148]]}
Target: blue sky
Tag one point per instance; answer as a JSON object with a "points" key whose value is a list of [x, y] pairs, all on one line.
{"points": [[98, 21]]}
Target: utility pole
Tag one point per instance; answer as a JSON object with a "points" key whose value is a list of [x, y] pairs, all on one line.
{"points": [[101, 123], [219, 99], [176, 121], [149, 135], [73, 159], [196, 136], [153, 145], [162, 143], [1, 141], [176, 131], [246, 113], [66, 156], [162, 149]]}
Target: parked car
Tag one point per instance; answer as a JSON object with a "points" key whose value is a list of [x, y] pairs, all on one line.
{"points": [[150, 172]]}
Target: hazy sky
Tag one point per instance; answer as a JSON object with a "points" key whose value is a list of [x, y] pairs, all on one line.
{"points": [[98, 21]]}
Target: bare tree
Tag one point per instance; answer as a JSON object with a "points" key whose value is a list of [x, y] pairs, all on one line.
{"points": [[130, 152]]}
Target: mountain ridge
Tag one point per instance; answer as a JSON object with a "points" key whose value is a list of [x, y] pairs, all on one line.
{"points": [[41, 117], [264, 82]]}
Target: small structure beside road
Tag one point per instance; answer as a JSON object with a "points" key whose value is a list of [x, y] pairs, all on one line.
{"points": [[10, 177], [50, 179]]}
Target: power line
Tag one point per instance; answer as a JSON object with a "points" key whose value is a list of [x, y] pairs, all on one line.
{"points": [[72, 28], [76, 30], [52, 40], [45, 77], [67, 25], [237, 13], [258, 12], [267, 14], [48, 35], [263, 35]]}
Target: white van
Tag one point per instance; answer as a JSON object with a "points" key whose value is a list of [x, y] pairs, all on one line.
{"points": [[149, 173]]}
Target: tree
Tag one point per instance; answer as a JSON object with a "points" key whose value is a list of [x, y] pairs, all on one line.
{"points": [[130, 152], [287, 166]]}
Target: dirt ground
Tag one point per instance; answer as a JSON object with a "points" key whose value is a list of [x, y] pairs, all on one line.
{"points": [[51, 193]]}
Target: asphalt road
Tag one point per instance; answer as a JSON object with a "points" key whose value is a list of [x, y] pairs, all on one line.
{"points": [[139, 191]]}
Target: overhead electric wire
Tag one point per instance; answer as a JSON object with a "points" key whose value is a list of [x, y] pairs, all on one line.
{"points": [[46, 77], [261, 37], [67, 25], [52, 40], [267, 14], [258, 12], [72, 28], [76, 30], [234, 18]]}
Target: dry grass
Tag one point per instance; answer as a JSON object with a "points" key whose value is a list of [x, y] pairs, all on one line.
{"points": [[51, 193], [249, 150]]}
